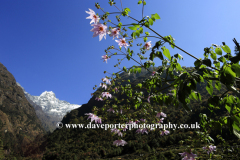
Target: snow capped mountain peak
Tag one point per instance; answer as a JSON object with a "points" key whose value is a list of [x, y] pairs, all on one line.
{"points": [[49, 94], [50, 104]]}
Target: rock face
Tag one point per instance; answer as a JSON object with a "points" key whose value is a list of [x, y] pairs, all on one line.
{"points": [[19, 123]]}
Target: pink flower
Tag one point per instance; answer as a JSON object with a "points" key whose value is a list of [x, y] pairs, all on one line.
{"points": [[103, 85], [120, 134], [121, 111], [124, 127], [94, 117], [161, 114], [106, 80], [117, 131], [99, 99], [161, 120], [166, 132], [149, 99], [153, 73], [137, 121], [116, 89], [188, 156], [119, 142], [147, 45], [99, 29], [144, 120], [142, 130], [106, 94], [94, 18], [210, 148], [105, 58], [114, 32], [122, 42], [131, 122], [111, 110]]}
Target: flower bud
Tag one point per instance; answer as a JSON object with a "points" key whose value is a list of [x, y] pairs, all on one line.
{"points": [[97, 5]]}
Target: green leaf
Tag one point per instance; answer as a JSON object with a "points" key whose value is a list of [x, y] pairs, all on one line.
{"points": [[152, 17], [141, 30], [179, 68], [127, 9], [217, 64], [222, 59], [125, 69], [236, 68], [227, 76], [139, 70], [226, 49], [159, 55], [156, 16], [152, 56], [133, 35], [145, 39], [197, 63], [209, 89], [199, 96], [128, 57], [140, 85], [137, 33], [236, 132], [218, 51], [139, 2], [132, 28], [213, 56], [146, 24], [194, 95], [150, 21], [207, 62], [120, 25], [147, 33], [166, 52], [230, 72], [135, 70], [183, 76], [218, 85]]}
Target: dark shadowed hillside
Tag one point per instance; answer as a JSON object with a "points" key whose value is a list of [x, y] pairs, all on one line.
{"points": [[48, 122], [19, 123], [76, 143]]}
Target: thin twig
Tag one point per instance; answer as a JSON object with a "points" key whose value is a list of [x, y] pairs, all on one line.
{"points": [[117, 7], [121, 4]]}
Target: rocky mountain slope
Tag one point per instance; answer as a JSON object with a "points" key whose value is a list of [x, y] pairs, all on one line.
{"points": [[19, 123], [49, 109], [51, 105]]}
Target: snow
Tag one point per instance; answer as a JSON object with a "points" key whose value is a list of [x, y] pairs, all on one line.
{"points": [[50, 104]]}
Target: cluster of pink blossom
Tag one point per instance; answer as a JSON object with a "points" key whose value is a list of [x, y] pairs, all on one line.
{"points": [[94, 118], [101, 30], [191, 156]]}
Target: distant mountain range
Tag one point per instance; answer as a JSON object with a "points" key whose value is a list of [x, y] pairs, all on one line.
{"points": [[50, 105]]}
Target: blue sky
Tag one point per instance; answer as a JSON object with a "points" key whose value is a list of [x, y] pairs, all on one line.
{"points": [[48, 45]]}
